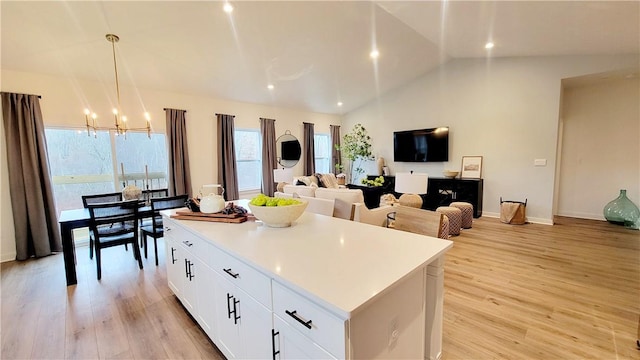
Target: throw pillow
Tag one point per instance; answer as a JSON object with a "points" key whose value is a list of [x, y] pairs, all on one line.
{"points": [[308, 180], [318, 177], [329, 180]]}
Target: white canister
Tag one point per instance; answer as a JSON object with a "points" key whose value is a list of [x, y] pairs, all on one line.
{"points": [[212, 203]]}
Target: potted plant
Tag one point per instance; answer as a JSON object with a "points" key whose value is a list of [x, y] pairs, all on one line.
{"points": [[356, 147]]}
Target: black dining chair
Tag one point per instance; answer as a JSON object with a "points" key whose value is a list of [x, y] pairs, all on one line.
{"points": [[113, 224], [155, 229], [155, 193], [147, 195], [100, 199]]}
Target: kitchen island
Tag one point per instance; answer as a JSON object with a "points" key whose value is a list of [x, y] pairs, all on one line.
{"points": [[322, 288]]}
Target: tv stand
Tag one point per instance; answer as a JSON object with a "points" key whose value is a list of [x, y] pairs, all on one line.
{"points": [[444, 191], [440, 192]]}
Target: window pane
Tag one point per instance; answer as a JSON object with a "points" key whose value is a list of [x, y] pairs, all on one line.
{"points": [[321, 147], [248, 159], [138, 150], [79, 165]]}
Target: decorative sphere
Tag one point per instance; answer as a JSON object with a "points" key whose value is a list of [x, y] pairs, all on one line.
{"points": [[131, 192]]}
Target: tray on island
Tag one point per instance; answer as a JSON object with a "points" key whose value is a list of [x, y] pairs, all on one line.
{"points": [[213, 217]]}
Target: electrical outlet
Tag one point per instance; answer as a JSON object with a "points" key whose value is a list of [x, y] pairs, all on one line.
{"points": [[540, 162], [394, 333]]}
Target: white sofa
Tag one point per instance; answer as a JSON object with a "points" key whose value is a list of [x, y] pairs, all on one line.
{"points": [[343, 197]]}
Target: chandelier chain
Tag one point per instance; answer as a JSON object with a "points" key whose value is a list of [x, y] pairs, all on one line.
{"points": [[120, 126]]}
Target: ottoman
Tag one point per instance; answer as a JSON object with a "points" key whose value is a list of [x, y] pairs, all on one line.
{"points": [[444, 229], [455, 218], [467, 213]]}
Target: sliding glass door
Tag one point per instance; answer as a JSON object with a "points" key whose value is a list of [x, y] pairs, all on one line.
{"points": [[84, 165]]}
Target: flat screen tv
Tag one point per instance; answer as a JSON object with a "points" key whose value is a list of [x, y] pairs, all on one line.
{"points": [[290, 150], [424, 145]]}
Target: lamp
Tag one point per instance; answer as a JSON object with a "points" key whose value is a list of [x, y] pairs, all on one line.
{"points": [[120, 126], [282, 176], [410, 185]]}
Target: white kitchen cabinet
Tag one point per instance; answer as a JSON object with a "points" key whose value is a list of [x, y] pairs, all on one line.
{"points": [[291, 344], [244, 324], [206, 296], [323, 288], [188, 275], [174, 259], [227, 316]]}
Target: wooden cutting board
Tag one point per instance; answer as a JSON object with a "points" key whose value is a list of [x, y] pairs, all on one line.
{"points": [[214, 217]]}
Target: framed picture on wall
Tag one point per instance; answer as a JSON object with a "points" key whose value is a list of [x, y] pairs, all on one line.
{"points": [[471, 167]]}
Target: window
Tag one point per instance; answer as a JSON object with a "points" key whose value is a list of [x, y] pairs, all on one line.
{"points": [[84, 165], [149, 152], [248, 147], [322, 149]]}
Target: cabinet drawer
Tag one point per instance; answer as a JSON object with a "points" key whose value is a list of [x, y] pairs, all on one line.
{"points": [[186, 239], [242, 275], [322, 327]]}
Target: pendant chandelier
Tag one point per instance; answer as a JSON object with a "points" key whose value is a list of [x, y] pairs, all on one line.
{"points": [[120, 127]]}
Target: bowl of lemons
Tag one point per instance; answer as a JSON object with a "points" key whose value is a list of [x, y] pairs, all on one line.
{"points": [[276, 212]]}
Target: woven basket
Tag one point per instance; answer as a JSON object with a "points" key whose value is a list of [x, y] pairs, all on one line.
{"points": [[513, 212]]}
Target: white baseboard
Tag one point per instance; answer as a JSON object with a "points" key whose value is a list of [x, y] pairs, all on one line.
{"points": [[81, 241], [7, 257], [533, 220], [581, 215]]}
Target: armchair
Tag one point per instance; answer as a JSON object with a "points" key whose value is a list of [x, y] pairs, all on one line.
{"points": [[344, 198], [376, 216], [420, 221]]}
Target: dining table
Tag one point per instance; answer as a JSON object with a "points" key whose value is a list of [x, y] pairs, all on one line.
{"points": [[72, 219]]}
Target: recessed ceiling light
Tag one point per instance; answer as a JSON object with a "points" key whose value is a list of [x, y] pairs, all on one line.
{"points": [[227, 8], [489, 45], [270, 86], [339, 103], [374, 54]]}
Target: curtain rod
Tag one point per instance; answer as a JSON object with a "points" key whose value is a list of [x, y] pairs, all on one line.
{"points": [[165, 109], [39, 96]]}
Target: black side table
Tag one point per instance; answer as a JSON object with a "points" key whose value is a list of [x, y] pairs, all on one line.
{"points": [[371, 194]]}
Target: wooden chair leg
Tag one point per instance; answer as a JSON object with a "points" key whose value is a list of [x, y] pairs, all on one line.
{"points": [[144, 241], [136, 250], [90, 247], [98, 264], [155, 248]]}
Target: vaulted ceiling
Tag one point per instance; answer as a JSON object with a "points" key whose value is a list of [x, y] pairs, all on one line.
{"points": [[314, 53]]}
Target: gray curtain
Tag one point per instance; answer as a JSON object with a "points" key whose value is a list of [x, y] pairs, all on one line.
{"points": [[179, 174], [269, 161], [336, 157], [227, 173], [34, 211], [309, 152]]}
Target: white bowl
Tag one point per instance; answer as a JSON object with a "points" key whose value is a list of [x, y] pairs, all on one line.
{"points": [[278, 216], [450, 173]]}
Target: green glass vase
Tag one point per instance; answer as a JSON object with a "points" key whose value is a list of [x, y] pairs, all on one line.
{"points": [[622, 211]]}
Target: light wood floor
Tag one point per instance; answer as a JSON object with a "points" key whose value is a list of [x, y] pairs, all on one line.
{"points": [[569, 291]]}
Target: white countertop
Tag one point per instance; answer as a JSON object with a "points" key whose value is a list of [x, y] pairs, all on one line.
{"points": [[342, 263]]}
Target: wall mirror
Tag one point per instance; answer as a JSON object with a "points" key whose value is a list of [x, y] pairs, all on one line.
{"points": [[288, 150]]}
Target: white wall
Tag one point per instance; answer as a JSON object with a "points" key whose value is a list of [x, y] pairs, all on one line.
{"points": [[504, 109], [600, 147], [63, 101]]}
